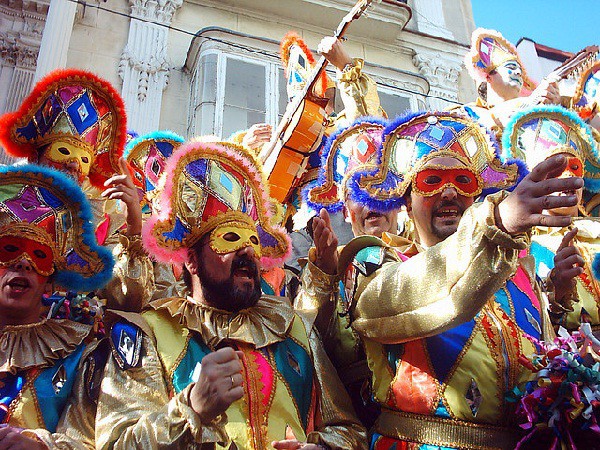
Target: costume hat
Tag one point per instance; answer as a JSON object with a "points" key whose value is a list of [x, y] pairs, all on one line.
{"points": [[411, 141], [489, 50], [42, 205], [70, 108], [211, 184], [537, 133]]}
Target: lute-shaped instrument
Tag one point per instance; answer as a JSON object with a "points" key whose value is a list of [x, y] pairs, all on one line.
{"points": [[302, 126]]}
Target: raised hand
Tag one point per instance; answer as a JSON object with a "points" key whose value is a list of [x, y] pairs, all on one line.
{"points": [[326, 243], [257, 135], [219, 384], [121, 187], [522, 208], [547, 93], [11, 438], [568, 265], [333, 50]]}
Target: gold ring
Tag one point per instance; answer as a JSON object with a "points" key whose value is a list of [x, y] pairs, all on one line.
{"points": [[232, 382]]}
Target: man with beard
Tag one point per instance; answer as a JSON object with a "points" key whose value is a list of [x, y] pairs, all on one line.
{"points": [[226, 366], [46, 238], [444, 329]]}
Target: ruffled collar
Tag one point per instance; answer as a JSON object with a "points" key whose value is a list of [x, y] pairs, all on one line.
{"points": [[39, 344], [265, 323]]}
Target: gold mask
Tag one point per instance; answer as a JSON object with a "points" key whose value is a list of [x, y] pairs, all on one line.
{"points": [[63, 152], [230, 237]]}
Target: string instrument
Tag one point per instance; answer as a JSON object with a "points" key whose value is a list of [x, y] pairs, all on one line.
{"points": [[302, 126]]}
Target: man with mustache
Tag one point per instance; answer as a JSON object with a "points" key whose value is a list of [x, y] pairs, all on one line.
{"points": [[227, 365], [444, 327], [45, 240], [75, 122]]}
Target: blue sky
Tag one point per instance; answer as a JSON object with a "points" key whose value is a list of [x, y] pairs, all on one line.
{"points": [[564, 24]]}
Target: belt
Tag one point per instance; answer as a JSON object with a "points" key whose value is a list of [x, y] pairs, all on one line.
{"points": [[434, 430]]}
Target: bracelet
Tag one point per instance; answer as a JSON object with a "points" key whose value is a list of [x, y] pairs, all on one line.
{"points": [[348, 67]]}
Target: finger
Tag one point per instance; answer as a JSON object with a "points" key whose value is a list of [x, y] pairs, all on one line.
{"points": [[124, 166], [551, 167], [222, 355], [238, 380], [230, 368], [566, 252], [570, 261], [124, 196], [116, 179], [546, 220], [548, 202], [323, 214], [233, 394], [240, 354], [568, 274], [111, 191], [566, 240], [552, 185], [286, 445]]}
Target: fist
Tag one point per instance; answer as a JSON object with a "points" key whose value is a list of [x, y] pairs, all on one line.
{"points": [[219, 384], [11, 438]]}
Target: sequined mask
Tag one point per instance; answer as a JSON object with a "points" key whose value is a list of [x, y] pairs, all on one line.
{"points": [[14, 249], [230, 237], [435, 178]]}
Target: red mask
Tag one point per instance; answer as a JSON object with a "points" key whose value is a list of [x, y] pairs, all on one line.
{"points": [[574, 167], [433, 180], [14, 249]]}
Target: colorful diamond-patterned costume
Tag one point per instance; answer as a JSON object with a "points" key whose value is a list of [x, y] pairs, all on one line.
{"points": [[289, 385], [532, 136], [443, 328], [39, 362]]}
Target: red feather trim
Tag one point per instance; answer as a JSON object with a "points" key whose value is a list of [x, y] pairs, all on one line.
{"points": [[62, 77]]}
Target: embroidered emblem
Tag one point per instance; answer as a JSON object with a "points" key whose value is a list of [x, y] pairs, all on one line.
{"points": [[534, 323], [59, 379], [369, 259], [473, 397], [83, 112], [126, 343]]}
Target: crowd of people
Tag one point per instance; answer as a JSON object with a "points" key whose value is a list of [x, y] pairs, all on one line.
{"points": [[430, 281]]}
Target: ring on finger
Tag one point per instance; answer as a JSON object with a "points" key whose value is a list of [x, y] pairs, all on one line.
{"points": [[232, 381]]}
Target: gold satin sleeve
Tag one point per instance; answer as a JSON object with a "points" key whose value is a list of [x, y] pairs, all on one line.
{"points": [[132, 284], [165, 283], [442, 287], [135, 411], [336, 425], [318, 296], [358, 93]]}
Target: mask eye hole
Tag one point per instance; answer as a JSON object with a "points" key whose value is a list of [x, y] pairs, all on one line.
{"points": [[11, 248], [64, 150], [231, 236], [463, 179], [85, 159], [254, 240], [40, 254], [432, 179]]}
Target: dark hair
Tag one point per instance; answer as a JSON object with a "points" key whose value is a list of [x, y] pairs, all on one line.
{"points": [[197, 250], [482, 91]]}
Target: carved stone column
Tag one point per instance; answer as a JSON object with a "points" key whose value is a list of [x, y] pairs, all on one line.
{"points": [[430, 18], [442, 73], [56, 37], [144, 68]]}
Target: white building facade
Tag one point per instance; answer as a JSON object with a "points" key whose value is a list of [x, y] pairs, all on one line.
{"points": [[212, 66]]}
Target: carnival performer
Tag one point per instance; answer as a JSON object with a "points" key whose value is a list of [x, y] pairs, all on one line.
{"points": [[227, 364], [75, 122], [345, 151], [563, 256], [147, 155], [502, 82], [46, 239], [443, 330]]}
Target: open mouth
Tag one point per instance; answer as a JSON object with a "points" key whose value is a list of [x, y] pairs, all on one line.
{"points": [[447, 212], [373, 215], [18, 284]]}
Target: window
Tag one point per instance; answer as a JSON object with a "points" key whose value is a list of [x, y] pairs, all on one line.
{"points": [[236, 91]]}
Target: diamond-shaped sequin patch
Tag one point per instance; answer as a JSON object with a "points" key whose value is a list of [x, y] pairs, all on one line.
{"points": [[59, 379], [534, 323], [293, 362], [473, 397]]}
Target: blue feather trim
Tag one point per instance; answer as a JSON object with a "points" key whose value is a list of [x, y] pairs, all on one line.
{"points": [[155, 135], [76, 197], [596, 266]]}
